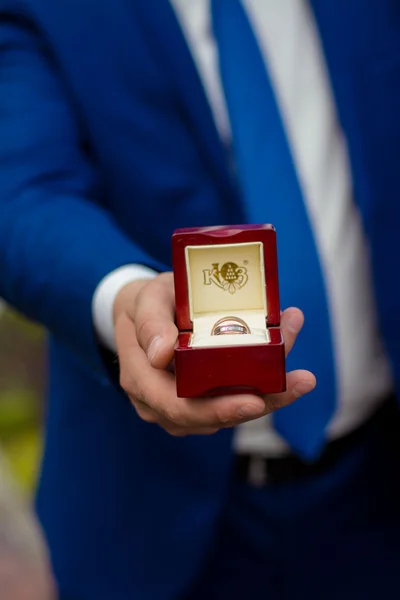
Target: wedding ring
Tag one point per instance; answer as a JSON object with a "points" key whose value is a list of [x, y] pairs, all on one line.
{"points": [[230, 326]]}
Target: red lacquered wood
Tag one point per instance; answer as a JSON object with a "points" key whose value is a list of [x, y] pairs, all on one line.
{"points": [[228, 369], [232, 234], [257, 369]]}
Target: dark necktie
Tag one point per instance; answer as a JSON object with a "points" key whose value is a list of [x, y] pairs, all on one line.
{"points": [[272, 194]]}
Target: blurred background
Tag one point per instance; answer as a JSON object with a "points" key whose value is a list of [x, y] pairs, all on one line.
{"points": [[24, 563], [22, 381]]}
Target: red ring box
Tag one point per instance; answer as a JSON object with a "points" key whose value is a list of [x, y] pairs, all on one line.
{"points": [[220, 272]]}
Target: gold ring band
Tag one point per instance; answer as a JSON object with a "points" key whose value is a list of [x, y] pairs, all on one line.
{"points": [[229, 330], [230, 326]]}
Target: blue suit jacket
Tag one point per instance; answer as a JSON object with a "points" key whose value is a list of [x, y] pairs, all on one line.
{"points": [[107, 144]]}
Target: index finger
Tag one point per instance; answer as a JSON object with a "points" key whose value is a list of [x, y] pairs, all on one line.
{"points": [[292, 321]]}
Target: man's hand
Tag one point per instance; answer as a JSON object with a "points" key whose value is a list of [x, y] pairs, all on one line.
{"points": [[145, 336]]}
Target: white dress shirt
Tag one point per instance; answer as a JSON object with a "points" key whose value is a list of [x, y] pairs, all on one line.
{"points": [[291, 48]]}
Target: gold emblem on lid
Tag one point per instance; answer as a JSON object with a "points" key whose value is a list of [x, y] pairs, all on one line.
{"points": [[230, 277]]}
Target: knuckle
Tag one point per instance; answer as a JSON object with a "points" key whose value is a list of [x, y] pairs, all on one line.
{"points": [[272, 403], [175, 417], [146, 415], [210, 431], [126, 381], [176, 431], [174, 413], [145, 329], [219, 415], [165, 279]]}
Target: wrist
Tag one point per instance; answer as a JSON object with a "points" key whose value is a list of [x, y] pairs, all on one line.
{"points": [[106, 295]]}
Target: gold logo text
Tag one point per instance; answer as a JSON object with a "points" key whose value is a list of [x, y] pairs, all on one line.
{"points": [[230, 277]]}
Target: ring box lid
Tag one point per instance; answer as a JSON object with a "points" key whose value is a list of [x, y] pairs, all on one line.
{"points": [[222, 271]]}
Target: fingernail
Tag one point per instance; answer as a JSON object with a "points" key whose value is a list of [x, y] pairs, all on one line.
{"points": [[294, 323], [250, 410], [153, 348], [301, 388]]}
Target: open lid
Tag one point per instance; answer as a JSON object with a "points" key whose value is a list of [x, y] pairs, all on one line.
{"points": [[225, 270]]}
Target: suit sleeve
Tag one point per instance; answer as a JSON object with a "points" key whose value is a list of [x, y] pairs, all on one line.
{"points": [[56, 241]]}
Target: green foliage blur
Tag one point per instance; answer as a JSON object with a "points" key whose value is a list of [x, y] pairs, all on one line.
{"points": [[22, 383]]}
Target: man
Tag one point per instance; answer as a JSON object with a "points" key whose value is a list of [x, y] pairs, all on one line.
{"points": [[120, 121]]}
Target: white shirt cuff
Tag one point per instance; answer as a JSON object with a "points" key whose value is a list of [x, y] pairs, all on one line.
{"points": [[104, 298]]}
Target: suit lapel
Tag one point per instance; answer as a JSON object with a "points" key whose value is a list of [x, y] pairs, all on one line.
{"points": [[168, 41]]}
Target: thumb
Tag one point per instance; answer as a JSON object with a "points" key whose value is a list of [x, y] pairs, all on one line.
{"points": [[154, 319]]}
